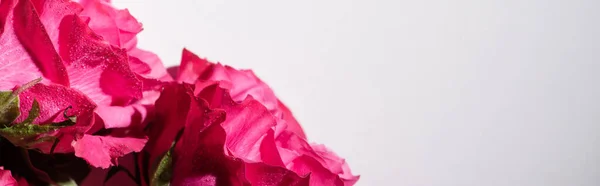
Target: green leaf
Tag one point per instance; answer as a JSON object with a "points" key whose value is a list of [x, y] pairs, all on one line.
{"points": [[162, 175], [9, 103], [33, 113], [164, 170], [9, 108], [30, 130], [26, 134]]}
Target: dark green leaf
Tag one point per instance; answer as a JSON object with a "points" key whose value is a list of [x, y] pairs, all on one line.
{"points": [[9, 108], [162, 175], [33, 113], [163, 172], [26, 134], [9, 103]]}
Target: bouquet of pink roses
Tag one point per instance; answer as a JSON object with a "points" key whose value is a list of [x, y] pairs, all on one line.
{"points": [[80, 104]]}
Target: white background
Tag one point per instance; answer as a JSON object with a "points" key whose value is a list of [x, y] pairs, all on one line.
{"points": [[432, 93]]}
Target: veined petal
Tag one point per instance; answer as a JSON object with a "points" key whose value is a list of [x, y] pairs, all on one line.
{"points": [[95, 67]]}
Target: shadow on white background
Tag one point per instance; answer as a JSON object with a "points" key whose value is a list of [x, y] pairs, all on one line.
{"points": [[429, 93]]}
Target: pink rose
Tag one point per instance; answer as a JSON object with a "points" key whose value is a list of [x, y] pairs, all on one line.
{"points": [[81, 74], [241, 84], [200, 145], [74, 82], [235, 131]]}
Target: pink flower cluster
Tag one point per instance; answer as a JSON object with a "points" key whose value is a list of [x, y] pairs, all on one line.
{"points": [[81, 104]]}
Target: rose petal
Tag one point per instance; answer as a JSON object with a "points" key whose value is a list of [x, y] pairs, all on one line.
{"points": [[6, 178], [292, 124], [52, 13], [155, 68], [247, 125], [326, 167], [241, 84], [192, 67], [262, 174], [171, 112], [96, 68], [103, 151], [319, 175], [118, 27], [199, 159], [117, 116], [26, 52], [53, 100]]}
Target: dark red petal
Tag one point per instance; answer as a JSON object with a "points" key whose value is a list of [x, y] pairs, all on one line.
{"points": [[171, 112], [199, 159]]}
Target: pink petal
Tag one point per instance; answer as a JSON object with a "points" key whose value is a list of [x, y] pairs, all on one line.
{"points": [[192, 67], [247, 125], [199, 158], [336, 164], [319, 175], [291, 124], [6, 178], [103, 151], [53, 101], [52, 13], [241, 84], [324, 166], [135, 114], [118, 27], [96, 68], [153, 67], [262, 174], [244, 83], [27, 51], [117, 116]]}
